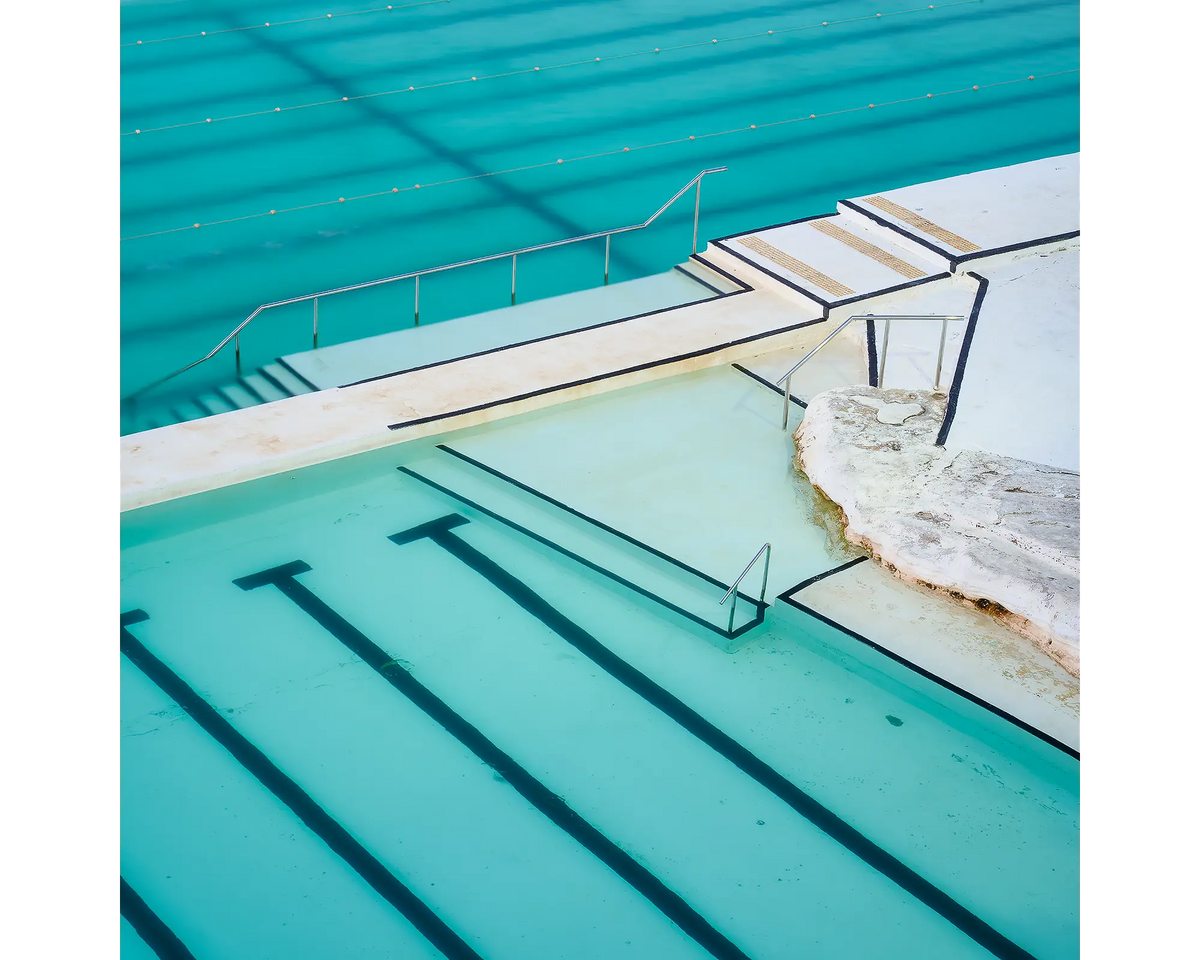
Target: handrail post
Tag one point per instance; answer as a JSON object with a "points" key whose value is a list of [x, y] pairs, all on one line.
{"points": [[732, 591], [937, 377], [787, 401], [417, 274], [887, 326], [237, 352]]}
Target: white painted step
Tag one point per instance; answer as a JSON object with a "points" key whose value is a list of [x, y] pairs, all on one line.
{"points": [[834, 259], [967, 217]]}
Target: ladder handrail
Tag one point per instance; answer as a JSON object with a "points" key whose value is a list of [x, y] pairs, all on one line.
{"points": [[235, 333], [786, 380], [732, 592]]}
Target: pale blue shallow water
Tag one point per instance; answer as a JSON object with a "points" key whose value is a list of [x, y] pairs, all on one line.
{"points": [[182, 291], [983, 811]]}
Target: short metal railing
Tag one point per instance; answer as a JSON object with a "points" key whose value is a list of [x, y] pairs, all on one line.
{"points": [[416, 275], [786, 380], [762, 594]]}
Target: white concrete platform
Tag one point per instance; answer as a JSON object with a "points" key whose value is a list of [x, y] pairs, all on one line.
{"points": [[969, 217], [1020, 389], [830, 259], [201, 455], [954, 642]]}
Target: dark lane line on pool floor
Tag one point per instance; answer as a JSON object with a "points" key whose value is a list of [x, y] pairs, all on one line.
{"points": [[552, 806], [287, 791], [440, 531], [148, 925]]}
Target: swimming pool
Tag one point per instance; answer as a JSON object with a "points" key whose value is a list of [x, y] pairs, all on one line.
{"points": [[183, 288], [370, 711]]}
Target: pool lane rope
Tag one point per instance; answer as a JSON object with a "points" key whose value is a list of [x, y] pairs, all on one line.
{"points": [[284, 23], [608, 153], [538, 69]]}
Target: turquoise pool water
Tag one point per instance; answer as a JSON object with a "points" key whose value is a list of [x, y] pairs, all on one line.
{"points": [[183, 290], [365, 716]]}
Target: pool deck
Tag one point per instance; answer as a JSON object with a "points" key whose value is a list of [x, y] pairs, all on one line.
{"points": [[1000, 246], [869, 247]]}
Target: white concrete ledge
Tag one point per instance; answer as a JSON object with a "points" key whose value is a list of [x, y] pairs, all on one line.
{"points": [[188, 458]]}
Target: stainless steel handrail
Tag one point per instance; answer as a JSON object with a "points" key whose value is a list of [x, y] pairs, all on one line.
{"points": [[786, 380], [766, 547], [235, 334]]}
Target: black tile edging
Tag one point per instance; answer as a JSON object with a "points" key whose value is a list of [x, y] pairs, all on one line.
{"points": [[819, 301], [549, 336], [693, 277], [957, 259], [768, 384], [884, 291], [513, 481], [927, 674], [650, 364], [960, 367], [821, 576], [898, 229], [760, 607], [776, 226], [742, 284], [1022, 245]]}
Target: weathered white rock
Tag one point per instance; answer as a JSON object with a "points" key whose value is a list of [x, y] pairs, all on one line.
{"points": [[994, 531]]}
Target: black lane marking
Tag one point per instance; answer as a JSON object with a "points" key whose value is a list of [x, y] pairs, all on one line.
{"points": [[741, 284], [898, 229], [1022, 245], [549, 336], [775, 226], [149, 926], [295, 373], [335, 836], [960, 368], [480, 465], [917, 668], [823, 303], [703, 283], [552, 806], [828, 305], [612, 375], [957, 259], [440, 532], [821, 576], [768, 384], [759, 606]]}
